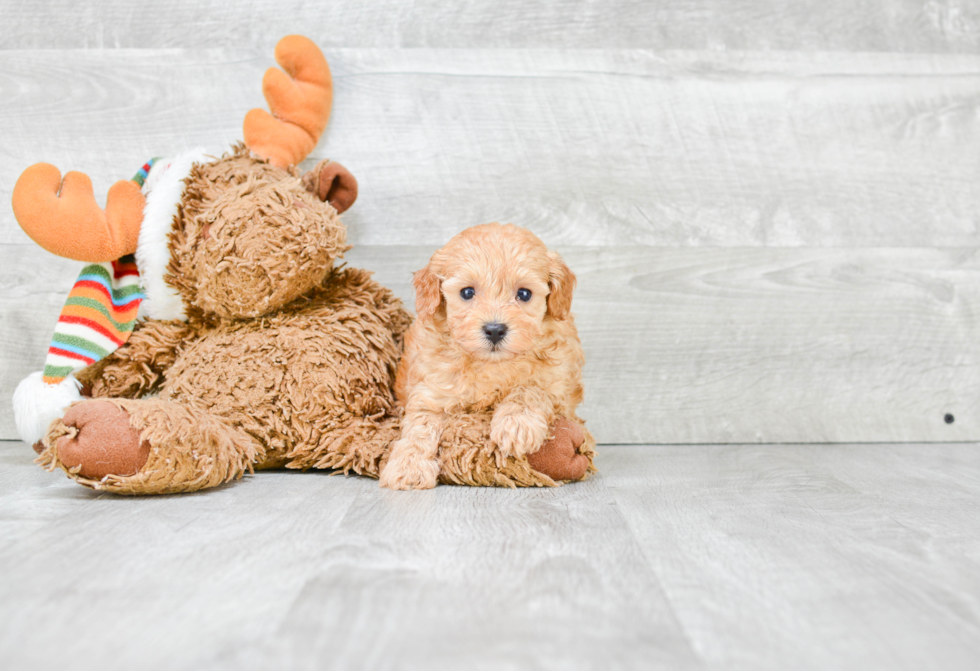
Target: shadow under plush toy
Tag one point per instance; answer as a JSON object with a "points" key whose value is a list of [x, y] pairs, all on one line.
{"points": [[211, 334]]}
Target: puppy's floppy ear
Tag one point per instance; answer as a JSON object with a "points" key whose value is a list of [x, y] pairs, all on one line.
{"points": [[561, 284], [428, 293]]}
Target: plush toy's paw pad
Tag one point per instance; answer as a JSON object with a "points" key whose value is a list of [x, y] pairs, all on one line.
{"points": [[574, 430], [558, 457], [102, 443], [408, 473]]}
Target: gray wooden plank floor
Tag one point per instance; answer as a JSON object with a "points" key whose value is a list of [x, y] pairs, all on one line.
{"points": [[693, 557]]}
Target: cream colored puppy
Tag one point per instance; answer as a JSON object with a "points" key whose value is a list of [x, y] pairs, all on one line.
{"points": [[493, 331]]}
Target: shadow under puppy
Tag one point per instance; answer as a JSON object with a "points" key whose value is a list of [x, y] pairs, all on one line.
{"points": [[494, 343]]}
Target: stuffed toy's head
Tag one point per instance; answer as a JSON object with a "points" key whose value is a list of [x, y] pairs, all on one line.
{"points": [[239, 236], [250, 237], [190, 236]]}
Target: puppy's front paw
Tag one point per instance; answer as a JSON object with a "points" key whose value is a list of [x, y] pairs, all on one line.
{"points": [[404, 471], [517, 432]]}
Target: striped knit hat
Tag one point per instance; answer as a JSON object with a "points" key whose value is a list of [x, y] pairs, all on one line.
{"points": [[97, 319], [106, 300], [100, 312]]}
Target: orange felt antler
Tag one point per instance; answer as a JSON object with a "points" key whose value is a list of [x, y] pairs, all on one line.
{"points": [[300, 104], [63, 217]]}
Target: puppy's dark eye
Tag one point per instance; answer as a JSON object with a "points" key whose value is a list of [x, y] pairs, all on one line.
{"points": [[524, 295], [467, 293]]}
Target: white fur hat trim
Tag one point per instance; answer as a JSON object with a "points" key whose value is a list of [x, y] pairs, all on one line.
{"points": [[37, 404], [165, 188]]}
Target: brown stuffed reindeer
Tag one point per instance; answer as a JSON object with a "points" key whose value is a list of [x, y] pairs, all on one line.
{"points": [[211, 334]]}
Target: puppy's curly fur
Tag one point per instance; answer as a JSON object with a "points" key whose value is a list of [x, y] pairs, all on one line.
{"points": [[493, 332]]}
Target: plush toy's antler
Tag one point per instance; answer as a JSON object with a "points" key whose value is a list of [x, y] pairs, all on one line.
{"points": [[300, 104], [63, 217]]}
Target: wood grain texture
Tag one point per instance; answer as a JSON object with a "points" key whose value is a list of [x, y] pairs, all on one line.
{"points": [[768, 345], [810, 25], [774, 213], [699, 345], [309, 570], [817, 186], [843, 556], [859, 557], [596, 148]]}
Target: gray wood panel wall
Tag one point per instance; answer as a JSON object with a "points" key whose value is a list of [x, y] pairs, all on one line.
{"points": [[773, 208]]}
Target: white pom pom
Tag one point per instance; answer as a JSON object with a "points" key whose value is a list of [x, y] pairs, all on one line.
{"points": [[37, 404]]}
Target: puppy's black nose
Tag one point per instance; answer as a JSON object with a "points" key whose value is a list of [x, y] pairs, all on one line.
{"points": [[495, 332]]}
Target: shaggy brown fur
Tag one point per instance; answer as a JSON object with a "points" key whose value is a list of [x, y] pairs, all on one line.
{"points": [[285, 361], [468, 456]]}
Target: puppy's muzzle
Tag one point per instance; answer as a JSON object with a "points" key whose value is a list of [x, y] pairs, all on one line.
{"points": [[495, 332]]}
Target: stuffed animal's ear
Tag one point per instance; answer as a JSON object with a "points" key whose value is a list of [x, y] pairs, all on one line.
{"points": [[428, 293], [561, 284], [332, 183]]}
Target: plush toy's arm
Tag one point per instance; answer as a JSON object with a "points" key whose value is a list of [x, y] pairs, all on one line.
{"points": [[361, 289], [398, 319], [138, 367]]}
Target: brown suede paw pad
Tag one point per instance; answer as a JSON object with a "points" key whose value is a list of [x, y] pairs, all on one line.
{"points": [[103, 442], [558, 458]]}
